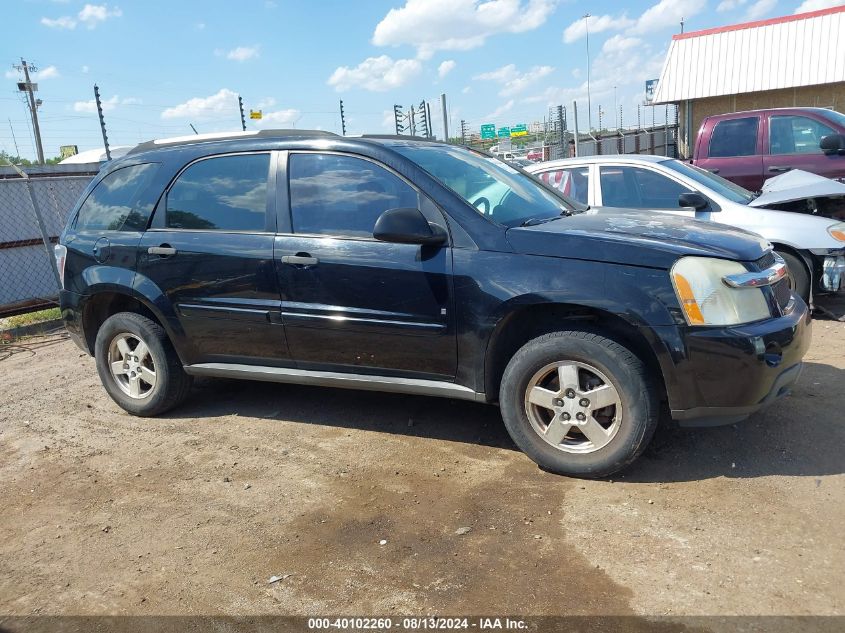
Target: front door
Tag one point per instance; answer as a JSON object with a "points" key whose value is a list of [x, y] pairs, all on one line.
{"points": [[793, 142], [350, 302], [210, 251]]}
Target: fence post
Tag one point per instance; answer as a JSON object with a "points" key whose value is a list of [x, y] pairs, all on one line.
{"points": [[45, 237]]}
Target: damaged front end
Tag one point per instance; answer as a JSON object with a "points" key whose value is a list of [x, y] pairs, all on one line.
{"points": [[802, 192]]}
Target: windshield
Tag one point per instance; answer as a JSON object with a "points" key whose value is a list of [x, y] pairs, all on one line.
{"points": [[724, 188], [498, 191], [836, 117]]}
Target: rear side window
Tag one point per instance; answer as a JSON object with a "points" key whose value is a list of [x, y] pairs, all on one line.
{"points": [[115, 204], [226, 193], [573, 182], [342, 195], [734, 137]]}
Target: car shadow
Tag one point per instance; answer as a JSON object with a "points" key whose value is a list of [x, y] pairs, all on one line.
{"points": [[800, 435]]}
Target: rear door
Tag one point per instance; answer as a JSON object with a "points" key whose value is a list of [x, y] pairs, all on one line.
{"points": [[210, 251], [350, 302], [735, 151], [793, 143]]}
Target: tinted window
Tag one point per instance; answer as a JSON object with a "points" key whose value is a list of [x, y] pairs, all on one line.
{"points": [[227, 193], [115, 205], [734, 137], [574, 182], [342, 195], [617, 189], [796, 135]]}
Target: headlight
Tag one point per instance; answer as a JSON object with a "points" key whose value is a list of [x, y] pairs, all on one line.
{"points": [[837, 231], [707, 300]]}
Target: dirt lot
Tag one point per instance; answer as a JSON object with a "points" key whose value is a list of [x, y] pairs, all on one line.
{"points": [[192, 513]]}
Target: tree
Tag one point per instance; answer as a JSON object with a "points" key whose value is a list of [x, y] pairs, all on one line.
{"points": [[8, 159]]}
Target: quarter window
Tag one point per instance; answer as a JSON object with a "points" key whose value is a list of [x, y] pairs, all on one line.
{"points": [[339, 195], [115, 204], [227, 193], [574, 182], [796, 135], [734, 137]]}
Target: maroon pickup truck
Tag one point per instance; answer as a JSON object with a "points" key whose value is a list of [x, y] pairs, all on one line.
{"points": [[750, 147]]}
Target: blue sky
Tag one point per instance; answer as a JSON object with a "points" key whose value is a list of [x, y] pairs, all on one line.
{"points": [[163, 65]]}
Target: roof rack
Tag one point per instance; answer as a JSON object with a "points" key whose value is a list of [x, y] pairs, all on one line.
{"points": [[399, 137], [224, 136]]}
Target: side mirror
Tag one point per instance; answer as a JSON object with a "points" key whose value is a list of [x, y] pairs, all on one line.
{"points": [[833, 144], [407, 226], [693, 199]]}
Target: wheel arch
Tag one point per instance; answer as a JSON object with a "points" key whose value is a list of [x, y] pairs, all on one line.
{"points": [[528, 321]]}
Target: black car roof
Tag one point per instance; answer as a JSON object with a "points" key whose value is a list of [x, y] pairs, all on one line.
{"points": [[292, 134]]}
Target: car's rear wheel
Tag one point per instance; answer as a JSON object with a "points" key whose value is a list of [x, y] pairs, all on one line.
{"points": [[138, 366], [579, 403], [798, 275]]}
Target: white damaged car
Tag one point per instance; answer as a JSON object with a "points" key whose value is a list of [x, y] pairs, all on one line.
{"points": [[813, 246]]}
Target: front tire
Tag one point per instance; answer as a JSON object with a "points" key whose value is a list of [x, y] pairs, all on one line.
{"points": [[138, 366], [579, 403], [798, 275]]}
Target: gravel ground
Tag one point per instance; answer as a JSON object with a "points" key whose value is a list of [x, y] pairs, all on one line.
{"points": [[367, 503]]}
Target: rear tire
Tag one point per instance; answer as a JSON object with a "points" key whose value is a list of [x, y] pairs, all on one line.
{"points": [[579, 403], [138, 366], [799, 276]]}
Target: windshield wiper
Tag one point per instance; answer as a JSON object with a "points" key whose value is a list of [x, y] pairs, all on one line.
{"points": [[536, 221]]}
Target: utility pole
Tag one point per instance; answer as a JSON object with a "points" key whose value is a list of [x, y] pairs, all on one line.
{"points": [[428, 121], [398, 119], [463, 132], [587, 17], [424, 116], [30, 88], [445, 118], [243, 119], [102, 121], [411, 121], [342, 119], [562, 127]]}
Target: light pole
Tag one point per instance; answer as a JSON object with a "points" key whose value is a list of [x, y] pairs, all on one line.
{"points": [[587, 17]]}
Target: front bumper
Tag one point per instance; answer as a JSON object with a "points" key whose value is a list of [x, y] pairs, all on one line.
{"points": [[721, 375]]}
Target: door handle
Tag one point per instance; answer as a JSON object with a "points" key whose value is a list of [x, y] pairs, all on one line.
{"points": [[778, 170], [302, 259], [164, 250]]}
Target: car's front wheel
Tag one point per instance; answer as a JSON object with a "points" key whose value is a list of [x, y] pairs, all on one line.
{"points": [[138, 366], [579, 403]]}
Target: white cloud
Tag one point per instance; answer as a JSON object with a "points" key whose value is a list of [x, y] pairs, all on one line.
{"points": [[108, 104], [620, 44], [729, 5], [266, 102], [12, 74], [90, 16], [50, 72], [222, 103], [445, 68], [597, 23], [64, 22], [514, 82], [279, 118], [432, 25], [85, 70], [667, 13], [466, 90], [760, 8], [242, 53], [502, 109], [376, 74], [816, 5]]}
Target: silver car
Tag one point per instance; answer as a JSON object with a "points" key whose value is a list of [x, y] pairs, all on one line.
{"points": [[813, 246]]}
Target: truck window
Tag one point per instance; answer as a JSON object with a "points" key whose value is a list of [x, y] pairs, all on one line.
{"points": [[734, 137], [790, 134]]}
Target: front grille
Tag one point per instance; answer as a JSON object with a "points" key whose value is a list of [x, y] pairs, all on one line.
{"points": [[782, 293]]}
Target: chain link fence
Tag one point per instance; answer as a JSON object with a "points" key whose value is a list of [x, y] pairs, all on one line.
{"points": [[34, 207]]}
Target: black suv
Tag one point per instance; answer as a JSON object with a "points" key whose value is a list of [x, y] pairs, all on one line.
{"points": [[397, 264]]}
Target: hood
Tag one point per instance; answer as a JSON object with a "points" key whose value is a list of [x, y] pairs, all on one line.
{"points": [[796, 185], [637, 238]]}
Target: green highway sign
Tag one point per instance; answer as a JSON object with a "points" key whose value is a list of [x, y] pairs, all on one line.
{"points": [[504, 132], [520, 129], [488, 130]]}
